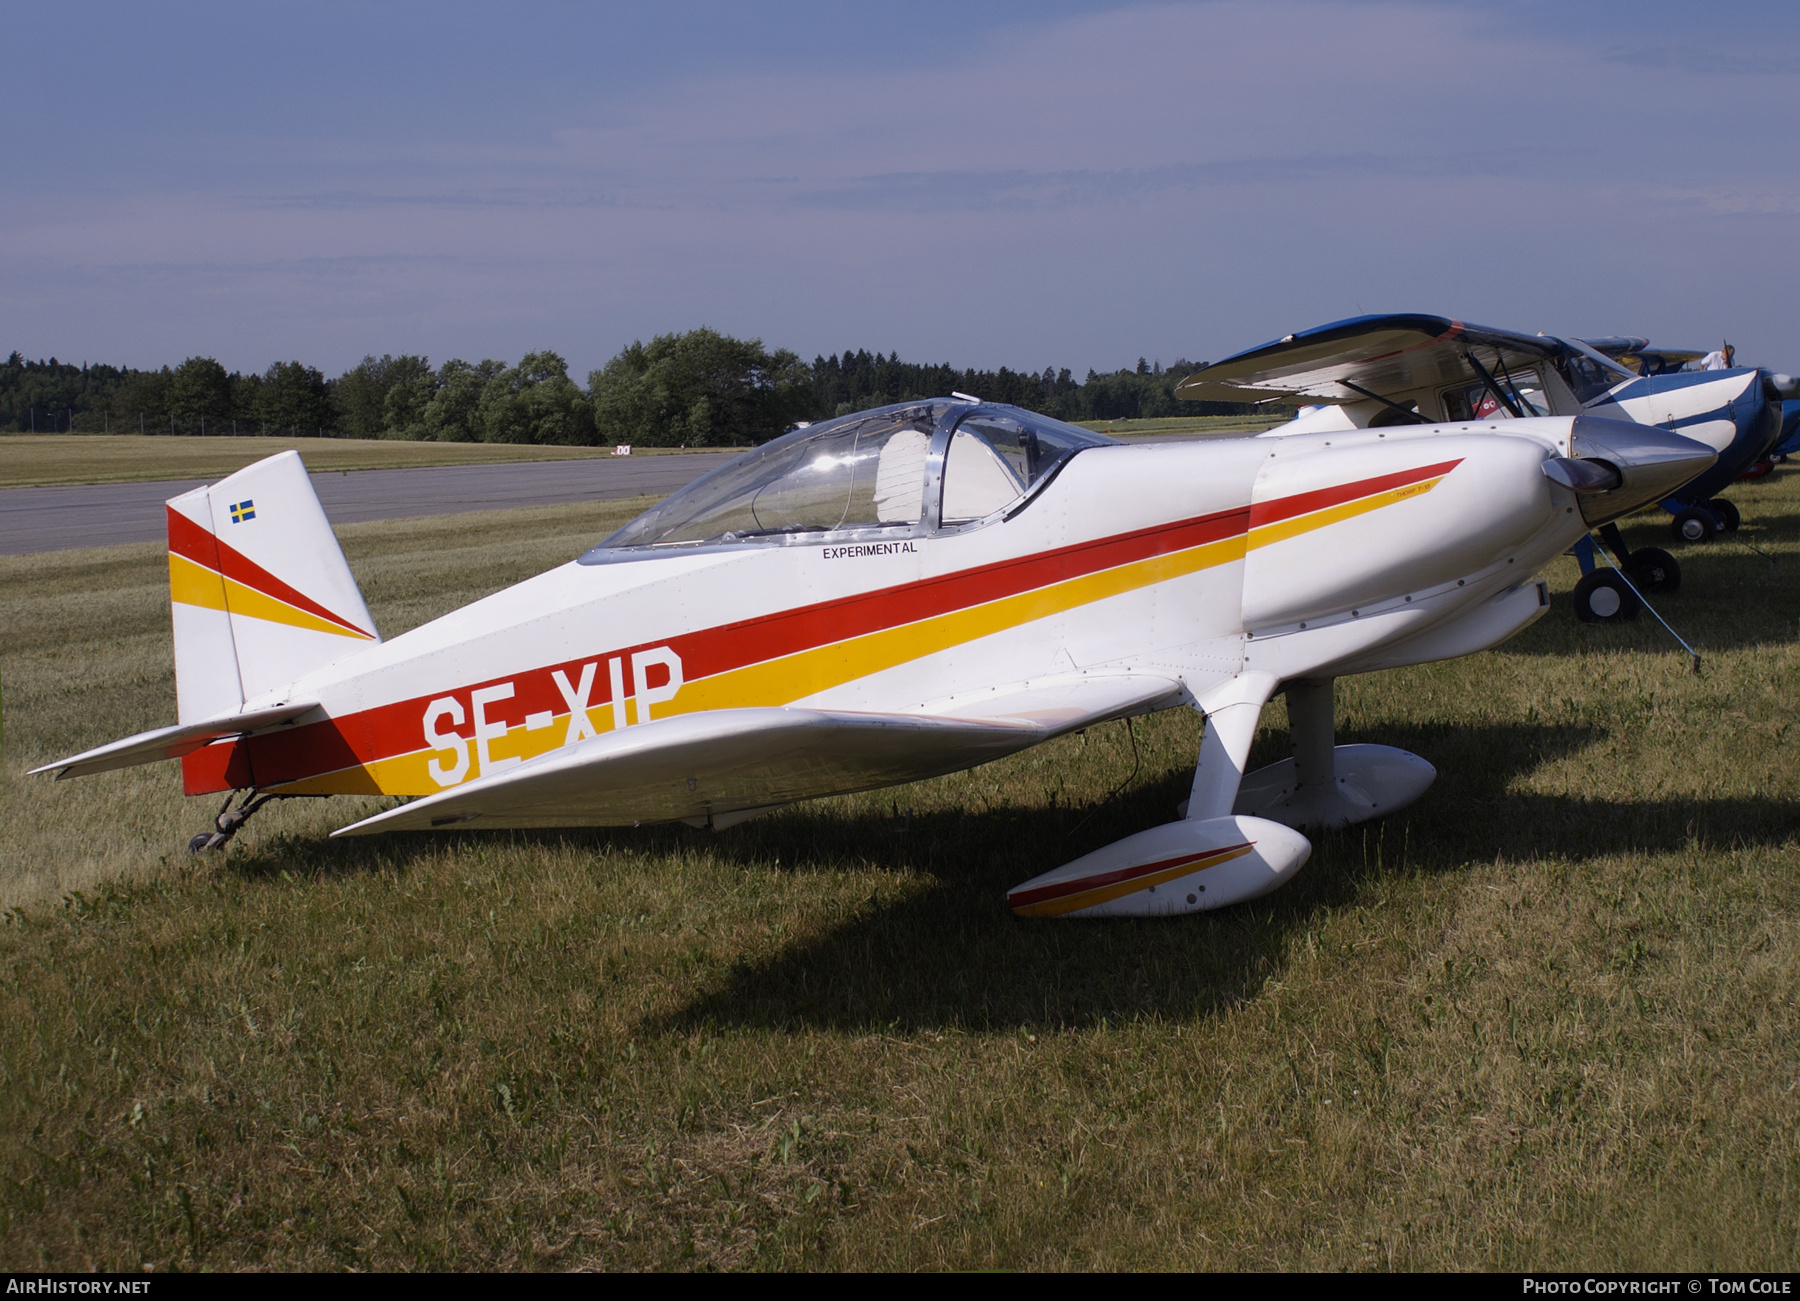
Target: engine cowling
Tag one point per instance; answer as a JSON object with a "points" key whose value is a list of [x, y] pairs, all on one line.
{"points": [[1332, 529]]}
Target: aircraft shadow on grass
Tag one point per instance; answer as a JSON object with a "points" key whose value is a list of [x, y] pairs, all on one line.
{"points": [[1731, 599], [951, 955]]}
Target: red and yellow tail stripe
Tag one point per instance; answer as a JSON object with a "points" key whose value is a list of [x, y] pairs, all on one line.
{"points": [[206, 572]]}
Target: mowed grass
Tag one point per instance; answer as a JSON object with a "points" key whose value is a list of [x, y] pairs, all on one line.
{"points": [[42, 460], [1188, 425], [38, 460], [1546, 1018]]}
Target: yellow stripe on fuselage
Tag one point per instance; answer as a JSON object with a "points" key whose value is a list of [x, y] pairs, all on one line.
{"points": [[1265, 534], [792, 677]]}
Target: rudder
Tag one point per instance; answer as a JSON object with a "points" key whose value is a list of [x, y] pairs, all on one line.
{"points": [[259, 588]]}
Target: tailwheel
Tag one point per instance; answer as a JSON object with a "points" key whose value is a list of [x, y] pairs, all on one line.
{"points": [[1693, 525], [1652, 569], [229, 821], [1605, 597], [1729, 519]]}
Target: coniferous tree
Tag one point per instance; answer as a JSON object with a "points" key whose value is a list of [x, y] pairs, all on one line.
{"points": [[295, 399]]}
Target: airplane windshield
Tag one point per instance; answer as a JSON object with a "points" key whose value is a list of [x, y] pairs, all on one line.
{"points": [[859, 471], [1587, 379], [1523, 389], [993, 459], [864, 471]]}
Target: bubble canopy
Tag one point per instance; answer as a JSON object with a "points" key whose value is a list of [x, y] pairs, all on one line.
{"points": [[897, 470]]}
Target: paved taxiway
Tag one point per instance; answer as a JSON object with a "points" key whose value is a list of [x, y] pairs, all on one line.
{"points": [[104, 515], [108, 514]]}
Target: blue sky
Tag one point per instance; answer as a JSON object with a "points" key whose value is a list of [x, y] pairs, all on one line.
{"points": [[1058, 184]]}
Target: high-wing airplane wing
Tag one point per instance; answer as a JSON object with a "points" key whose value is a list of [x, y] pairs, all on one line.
{"points": [[703, 765], [1637, 356], [1365, 357]]}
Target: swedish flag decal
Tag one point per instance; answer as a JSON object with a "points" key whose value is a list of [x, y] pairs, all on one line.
{"points": [[242, 510]]}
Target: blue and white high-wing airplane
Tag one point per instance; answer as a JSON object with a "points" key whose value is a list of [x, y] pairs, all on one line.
{"points": [[1638, 356], [1405, 369]]}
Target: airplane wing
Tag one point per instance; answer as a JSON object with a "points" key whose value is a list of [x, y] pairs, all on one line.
{"points": [[1347, 361], [699, 766], [1618, 345], [171, 742], [1636, 354]]}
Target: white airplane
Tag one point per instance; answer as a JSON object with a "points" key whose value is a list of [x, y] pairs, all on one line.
{"points": [[889, 596]]}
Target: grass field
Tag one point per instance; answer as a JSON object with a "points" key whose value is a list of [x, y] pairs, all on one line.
{"points": [[1544, 1019], [38, 460], [1188, 425]]}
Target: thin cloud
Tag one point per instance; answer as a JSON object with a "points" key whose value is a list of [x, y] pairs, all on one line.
{"points": [[1159, 180], [1704, 60]]}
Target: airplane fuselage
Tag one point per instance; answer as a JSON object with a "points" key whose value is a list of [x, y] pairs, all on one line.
{"points": [[1304, 556]]}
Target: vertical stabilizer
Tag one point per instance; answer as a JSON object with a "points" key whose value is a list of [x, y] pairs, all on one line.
{"points": [[260, 590]]}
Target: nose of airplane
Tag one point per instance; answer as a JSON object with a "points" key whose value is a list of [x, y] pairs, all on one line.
{"points": [[1652, 463]]}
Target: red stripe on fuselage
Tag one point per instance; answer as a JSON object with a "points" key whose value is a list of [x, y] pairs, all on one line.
{"points": [[1305, 503], [388, 730], [751, 641], [188, 539]]}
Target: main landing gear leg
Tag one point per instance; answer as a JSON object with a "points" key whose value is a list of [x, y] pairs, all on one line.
{"points": [[1650, 569], [1230, 728], [1615, 543], [228, 821], [1207, 860], [1325, 785]]}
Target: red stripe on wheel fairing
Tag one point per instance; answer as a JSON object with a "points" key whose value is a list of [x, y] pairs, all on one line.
{"points": [[1062, 889]]}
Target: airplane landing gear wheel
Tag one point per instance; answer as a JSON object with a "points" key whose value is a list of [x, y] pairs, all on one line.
{"points": [[229, 821], [1693, 525], [1651, 569], [1604, 597], [1726, 512]]}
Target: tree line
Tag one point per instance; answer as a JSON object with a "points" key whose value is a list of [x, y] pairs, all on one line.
{"points": [[696, 389]]}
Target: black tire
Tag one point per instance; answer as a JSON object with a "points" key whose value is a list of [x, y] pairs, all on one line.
{"points": [[1653, 570], [1693, 525], [1727, 513], [1604, 597]]}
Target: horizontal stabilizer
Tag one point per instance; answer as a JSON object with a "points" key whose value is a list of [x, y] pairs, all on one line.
{"points": [[172, 742]]}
